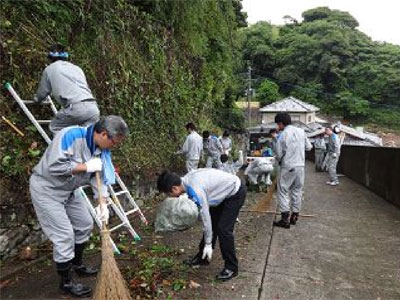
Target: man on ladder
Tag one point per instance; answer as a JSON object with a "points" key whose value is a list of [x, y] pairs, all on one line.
{"points": [[67, 84], [69, 162]]}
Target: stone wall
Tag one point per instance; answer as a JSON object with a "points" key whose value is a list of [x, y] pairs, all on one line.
{"points": [[377, 168]]}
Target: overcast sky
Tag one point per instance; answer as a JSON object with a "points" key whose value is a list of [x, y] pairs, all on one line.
{"points": [[380, 19]]}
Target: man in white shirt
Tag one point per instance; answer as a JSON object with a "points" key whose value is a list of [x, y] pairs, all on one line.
{"points": [[192, 148], [226, 142]]}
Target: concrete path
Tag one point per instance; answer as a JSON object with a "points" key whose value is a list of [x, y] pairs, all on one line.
{"points": [[349, 250]]}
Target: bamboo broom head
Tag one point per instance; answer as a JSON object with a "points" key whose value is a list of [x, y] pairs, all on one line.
{"points": [[110, 283]]}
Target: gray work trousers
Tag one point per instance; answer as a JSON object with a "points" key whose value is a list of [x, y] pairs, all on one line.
{"points": [[290, 189], [191, 164], [65, 222], [81, 114], [332, 164], [319, 159], [214, 161]]}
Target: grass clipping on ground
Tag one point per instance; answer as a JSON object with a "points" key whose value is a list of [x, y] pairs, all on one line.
{"points": [[110, 283]]}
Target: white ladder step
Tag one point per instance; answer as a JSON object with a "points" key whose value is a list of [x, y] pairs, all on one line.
{"points": [[117, 226], [132, 211], [44, 121]]}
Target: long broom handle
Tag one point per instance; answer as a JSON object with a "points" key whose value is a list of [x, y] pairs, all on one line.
{"points": [[101, 199]]}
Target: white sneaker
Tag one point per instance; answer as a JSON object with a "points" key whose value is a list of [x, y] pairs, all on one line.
{"points": [[328, 182], [333, 183]]}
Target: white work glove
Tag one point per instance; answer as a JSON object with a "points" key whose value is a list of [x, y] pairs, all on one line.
{"points": [[334, 155], [94, 165], [207, 252], [102, 212]]}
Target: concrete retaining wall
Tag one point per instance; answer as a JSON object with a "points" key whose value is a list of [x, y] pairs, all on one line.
{"points": [[377, 168]]}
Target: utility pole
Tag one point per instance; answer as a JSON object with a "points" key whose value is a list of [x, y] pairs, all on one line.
{"points": [[249, 94]]}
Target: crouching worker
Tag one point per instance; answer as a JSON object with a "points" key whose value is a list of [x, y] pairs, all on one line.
{"points": [[69, 162], [259, 167], [219, 196], [231, 167]]}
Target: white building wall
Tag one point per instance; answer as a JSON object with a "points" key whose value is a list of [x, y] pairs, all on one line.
{"points": [[305, 118]]}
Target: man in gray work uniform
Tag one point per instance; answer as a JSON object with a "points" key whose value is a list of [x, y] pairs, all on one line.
{"points": [[333, 154], [70, 162], [320, 150], [290, 152], [66, 82], [219, 196], [214, 150]]}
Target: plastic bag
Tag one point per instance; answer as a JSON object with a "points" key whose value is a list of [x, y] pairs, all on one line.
{"points": [[176, 214]]}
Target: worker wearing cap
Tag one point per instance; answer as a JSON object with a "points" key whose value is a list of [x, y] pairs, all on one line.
{"points": [[290, 152], [70, 161], [66, 82], [333, 154], [192, 147]]}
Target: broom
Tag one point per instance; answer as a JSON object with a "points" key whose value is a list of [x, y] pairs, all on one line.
{"points": [[110, 283]]}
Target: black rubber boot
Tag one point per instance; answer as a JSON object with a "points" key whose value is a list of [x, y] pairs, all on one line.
{"points": [[294, 217], [284, 221], [77, 264], [67, 285]]}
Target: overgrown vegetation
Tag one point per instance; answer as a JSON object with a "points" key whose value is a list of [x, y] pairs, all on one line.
{"points": [[326, 61], [157, 63]]}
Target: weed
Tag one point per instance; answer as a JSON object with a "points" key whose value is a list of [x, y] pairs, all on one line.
{"points": [[160, 249]]}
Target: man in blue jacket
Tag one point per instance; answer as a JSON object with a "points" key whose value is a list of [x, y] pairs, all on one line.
{"points": [[70, 162]]}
